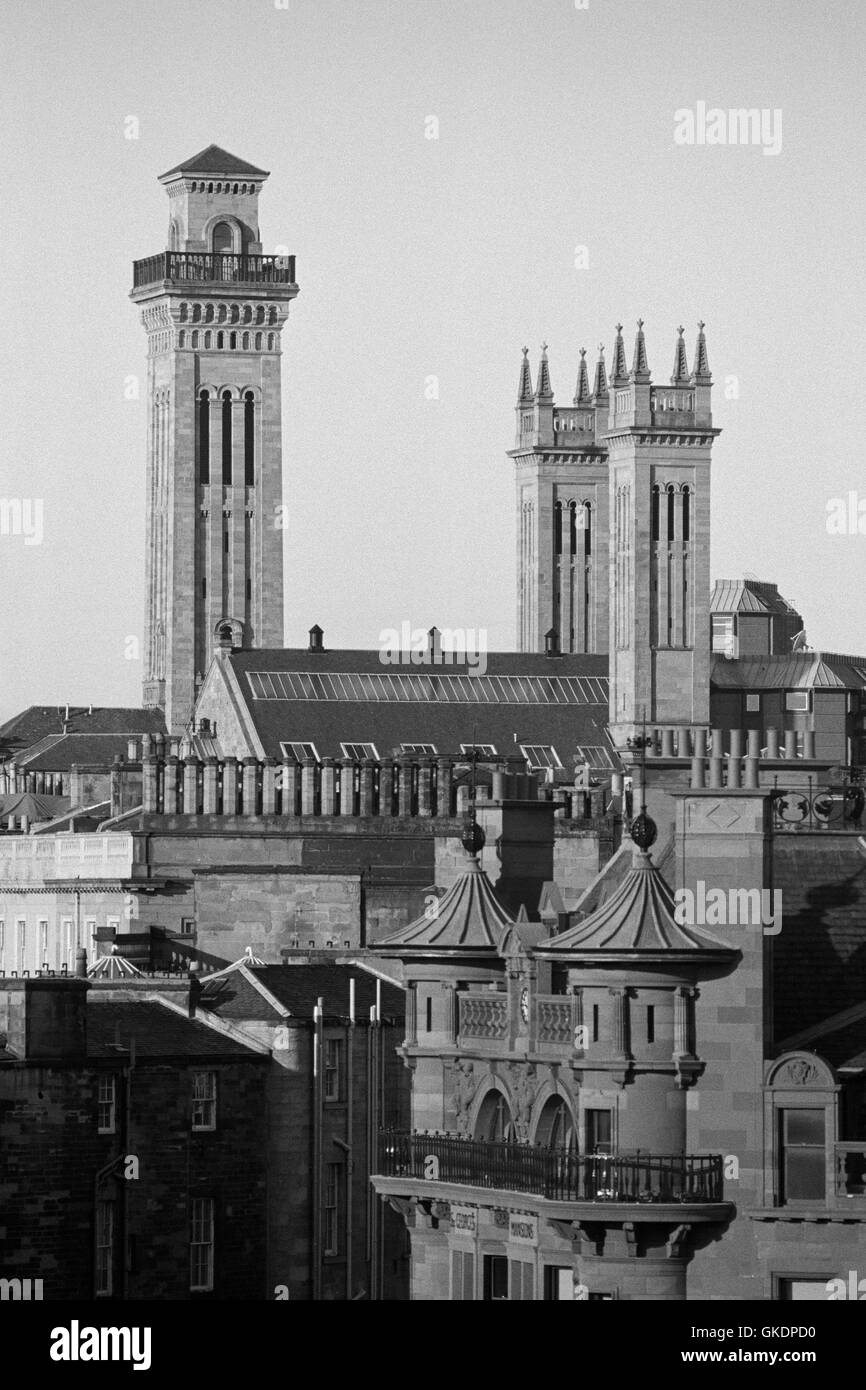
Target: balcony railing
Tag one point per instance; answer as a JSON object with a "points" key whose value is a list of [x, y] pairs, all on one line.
{"points": [[851, 1170], [835, 806], [553, 1173], [200, 266]]}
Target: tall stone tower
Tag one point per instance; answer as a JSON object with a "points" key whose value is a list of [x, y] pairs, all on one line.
{"points": [[562, 516], [659, 441], [213, 307]]}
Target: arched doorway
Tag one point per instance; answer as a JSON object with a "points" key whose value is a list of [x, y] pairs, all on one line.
{"points": [[555, 1129], [494, 1118]]}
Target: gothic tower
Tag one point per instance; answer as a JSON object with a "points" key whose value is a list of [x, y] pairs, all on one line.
{"points": [[562, 517], [213, 307], [659, 440]]}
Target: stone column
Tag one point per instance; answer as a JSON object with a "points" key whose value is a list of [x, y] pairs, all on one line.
{"points": [[425, 797], [148, 787], [404, 762], [347, 787], [190, 786], [230, 786], [368, 771], [269, 787], [682, 1022], [328, 788], [619, 1029], [386, 787], [289, 788], [412, 1015], [308, 787], [250, 778], [209, 795]]}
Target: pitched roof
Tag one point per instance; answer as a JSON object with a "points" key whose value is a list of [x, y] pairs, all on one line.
{"points": [[469, 920], [330, 697], [233, 993], [36, 806], [214, 160], [88, 750], [157, 1030], [38, 722], [799, 671], [748, 596], [637, 921]]}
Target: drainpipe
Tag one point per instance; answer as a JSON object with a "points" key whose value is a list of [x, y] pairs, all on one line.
{"points": [[350, 1155], [316, 1252]]}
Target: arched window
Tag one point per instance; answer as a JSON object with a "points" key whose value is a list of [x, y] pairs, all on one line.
{"points": [[494, 1118], [249, 439], [655, 513], [221, 239], [208, 313], [204, 437], [245, 342], [220, 337], [587, 528], [557, 528], [572, 527], [270, 342], [555, 1126], [195, 340], [670, 511], [181, 338], [686, 513], [233, 341], [196, 313], [184, 313], [235, 189], [258, 342], [227, 435], [173, 236], [207, 339], [235, 315]]}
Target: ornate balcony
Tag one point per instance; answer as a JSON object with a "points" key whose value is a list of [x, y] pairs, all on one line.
{"points": [[851, 1170], [200, 267], [836, 806], [554, 1174]]}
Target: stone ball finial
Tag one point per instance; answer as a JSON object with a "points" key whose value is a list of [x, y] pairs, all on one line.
{"points": [[644, 831], [473, 837]]}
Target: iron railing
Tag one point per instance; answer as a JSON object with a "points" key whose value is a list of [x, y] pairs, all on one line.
{"points": [[837, 805], [198, 266], [557, 1174]]}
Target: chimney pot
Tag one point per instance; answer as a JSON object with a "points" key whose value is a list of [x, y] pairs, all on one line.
{"points": [[316, 639]]}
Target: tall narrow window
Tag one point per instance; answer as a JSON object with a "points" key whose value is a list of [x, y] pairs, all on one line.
{"points": [[655, 514], [249, 439], [802, 1154], [201, 1244], [595, 1023], [650, 1023], [686, 517], [333, 1068], [557, 527], [204, 437], [572, 527], [204, 1100], [222, 239], [106, 1097], [42, 963], [670, 513], [104, 1247], [227, 439], [587, 529]]}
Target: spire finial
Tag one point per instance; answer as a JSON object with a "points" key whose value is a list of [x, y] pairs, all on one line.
{"points": [[701, 375], [543, 388], [600, 393], [619, 371], [640, 372], [680, 374], [524, 385], [582, 394]]}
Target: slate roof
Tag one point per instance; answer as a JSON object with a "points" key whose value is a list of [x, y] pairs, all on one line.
{"points": [[214, 160], [799, 671], [819, 956], [637, 920], [158, 1032], [35, 805], [469, 921], [88, 750], [38, 722], [446, 713], [748, 596], [298, 988]]}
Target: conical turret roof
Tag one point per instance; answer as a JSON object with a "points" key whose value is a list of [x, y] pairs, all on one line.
{"points": [[619, 370], [701, 374], [680, 374], [468, 921], [543, 388], [600, 394], [638, 922], [524, 385]]}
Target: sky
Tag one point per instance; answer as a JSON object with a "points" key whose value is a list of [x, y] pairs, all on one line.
{"points": [[420, 258]]}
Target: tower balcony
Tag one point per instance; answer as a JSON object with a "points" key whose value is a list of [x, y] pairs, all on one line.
{"points": [[192, 268], [413, 1162]]}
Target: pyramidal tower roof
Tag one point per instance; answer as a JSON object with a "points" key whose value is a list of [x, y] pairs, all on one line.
{"points": [[543, 389], [680, 375], [214, 160], [619, 370], [638, 922], [468, 921]]}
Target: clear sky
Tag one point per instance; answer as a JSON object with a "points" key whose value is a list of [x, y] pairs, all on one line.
{"points": [[422, 258]]}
